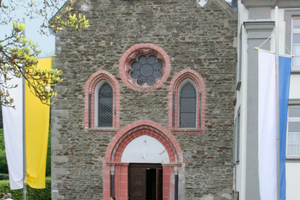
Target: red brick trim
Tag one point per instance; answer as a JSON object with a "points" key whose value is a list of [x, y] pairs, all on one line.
{"points": [[121, 140], [131, 127], [143, 130], [145, 48], [90, 85], [173, 89]]}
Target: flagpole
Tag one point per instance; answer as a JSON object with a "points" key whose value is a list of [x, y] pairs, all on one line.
{"points": [[277, 100], [24, 135], [24, 143]]}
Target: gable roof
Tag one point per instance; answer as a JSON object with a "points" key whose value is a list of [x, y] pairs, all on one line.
{"points": [[226, 7]]}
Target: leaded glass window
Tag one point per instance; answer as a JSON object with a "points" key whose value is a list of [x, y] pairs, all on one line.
{"points": [[105, 108], [187, 106], [146, 69]]}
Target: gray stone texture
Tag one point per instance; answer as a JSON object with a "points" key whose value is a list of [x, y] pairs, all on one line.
{"points": [[199, 38]]}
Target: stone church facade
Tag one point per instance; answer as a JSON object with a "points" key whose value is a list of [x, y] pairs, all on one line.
{"points": [[145, 110]]}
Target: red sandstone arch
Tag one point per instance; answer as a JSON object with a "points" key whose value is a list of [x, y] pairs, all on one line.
{"points": [[121, 140], [90, 85], [173, 89]]}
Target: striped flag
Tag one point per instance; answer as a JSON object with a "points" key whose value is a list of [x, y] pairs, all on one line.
{"points": [[284, 89], [13, 135], [267, 128], [267, 122], [37, 127]]}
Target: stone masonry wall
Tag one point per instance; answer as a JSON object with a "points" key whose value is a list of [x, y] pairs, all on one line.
{"points": [[199, 38]]}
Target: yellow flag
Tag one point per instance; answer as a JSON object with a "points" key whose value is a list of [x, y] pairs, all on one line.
{"points": [[37, 128]]}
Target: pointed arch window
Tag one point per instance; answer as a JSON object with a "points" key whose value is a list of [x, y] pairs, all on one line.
{"points": [[187, 102], [105, 106], [102, 102], [187, 106]]}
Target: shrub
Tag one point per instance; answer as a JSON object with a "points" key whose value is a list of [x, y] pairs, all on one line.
{"points": [[32, 194], [4, 176], [3, 162]]}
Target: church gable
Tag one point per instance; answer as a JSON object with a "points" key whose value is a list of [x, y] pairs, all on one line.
{"points": [[166, 67]]}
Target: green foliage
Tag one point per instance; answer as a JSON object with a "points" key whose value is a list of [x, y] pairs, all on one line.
{"points": [[3, 162], [18, 59], [2, 145], [32, 194], [4, 176], [74, 21], [1, 120], [18, 55]]}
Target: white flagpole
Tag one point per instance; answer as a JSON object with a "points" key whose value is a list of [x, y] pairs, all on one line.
{"points": [[24, 136], [277, 100]]}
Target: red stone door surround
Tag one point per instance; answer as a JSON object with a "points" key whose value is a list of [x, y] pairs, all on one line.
{"points": [[113, 164]]}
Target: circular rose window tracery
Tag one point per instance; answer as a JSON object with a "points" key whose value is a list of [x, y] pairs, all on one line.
{"points": [[144, 67]]}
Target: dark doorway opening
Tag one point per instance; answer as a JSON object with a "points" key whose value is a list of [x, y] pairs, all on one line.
{"points": [[145, 182]]}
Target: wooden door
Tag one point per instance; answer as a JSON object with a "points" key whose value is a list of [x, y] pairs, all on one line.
{"points": [[137, 183], [159, 184], [143, 176]]}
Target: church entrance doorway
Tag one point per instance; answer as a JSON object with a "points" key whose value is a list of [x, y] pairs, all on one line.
{"points": [[145, 181], [143, 162]]}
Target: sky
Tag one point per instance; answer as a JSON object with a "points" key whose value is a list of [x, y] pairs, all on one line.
{"points": [[45, 43]]}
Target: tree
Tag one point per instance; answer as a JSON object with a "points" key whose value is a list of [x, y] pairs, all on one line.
{"points": [[3, 162], [18, 55]]}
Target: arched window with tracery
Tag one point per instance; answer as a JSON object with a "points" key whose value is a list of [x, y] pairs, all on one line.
{"points": [[187, 106], [102, 96], [187, 102], [105, 106]]}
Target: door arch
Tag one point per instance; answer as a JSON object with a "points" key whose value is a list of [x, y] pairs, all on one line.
{"points": [[145, 149], [115, 171]]}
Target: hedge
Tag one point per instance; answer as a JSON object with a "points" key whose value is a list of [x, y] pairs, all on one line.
{"points": [[4, 176], [32, 194]]}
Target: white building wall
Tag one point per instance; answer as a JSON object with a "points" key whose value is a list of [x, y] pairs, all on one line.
{"points": [[292, 166], [241, 103], [292, 180]]}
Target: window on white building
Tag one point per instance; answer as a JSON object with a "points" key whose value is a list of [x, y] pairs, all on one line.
{"points": [[239, 64], [293, 132], [296, 42], [236, 139]]}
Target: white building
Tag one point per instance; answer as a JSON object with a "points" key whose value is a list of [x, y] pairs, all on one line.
{"points": [[256, 24]]}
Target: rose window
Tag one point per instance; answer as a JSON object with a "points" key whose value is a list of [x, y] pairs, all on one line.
{"points": [[144, 67], [146, 70]]}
